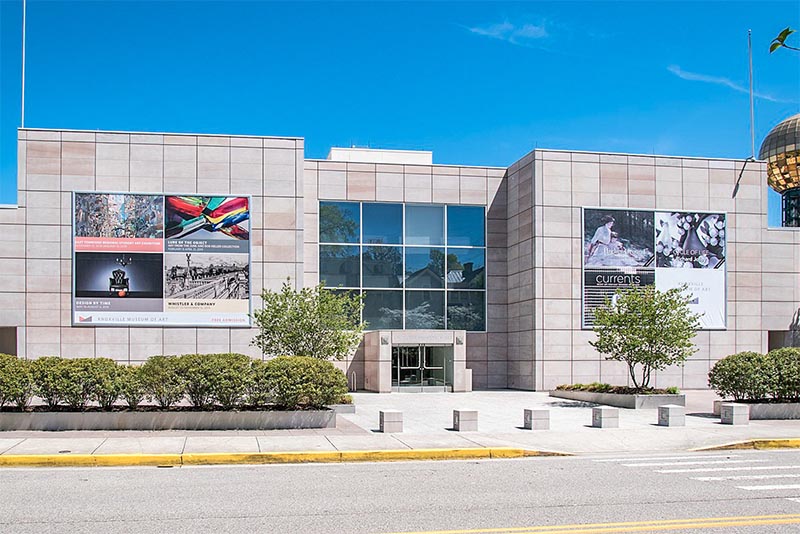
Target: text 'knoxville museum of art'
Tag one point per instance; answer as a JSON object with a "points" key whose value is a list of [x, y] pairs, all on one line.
{"points": [[128, 245]]}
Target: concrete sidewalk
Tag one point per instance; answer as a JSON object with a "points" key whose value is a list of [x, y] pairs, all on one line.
{"points": [[427, 426]]}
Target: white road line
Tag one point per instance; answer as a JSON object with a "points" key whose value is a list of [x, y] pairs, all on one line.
{"points": [[692, 457], [659, 464], [794, 499], [714, 469], [747, 477], [773, 487]]}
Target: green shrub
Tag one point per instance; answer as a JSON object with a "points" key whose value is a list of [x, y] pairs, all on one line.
{"points": [[81, 380], [16, 381], [345, 399], [594, 387], [786, 365], [163, 380], [220, 378], [258, 389], [744, 376], [131, 385], [107, 377], [304, 382], [673, 390], [198, 372], [50, 379], [231, 380]]}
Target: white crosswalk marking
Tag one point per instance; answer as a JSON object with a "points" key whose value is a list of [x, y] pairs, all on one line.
{"points": [[772, 487], [747, 477], [664, 464], [715, 469], [664, 458], [720, 463]]}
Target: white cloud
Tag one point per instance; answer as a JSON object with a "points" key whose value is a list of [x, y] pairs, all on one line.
{"points": [[718, 80], [511, 33]]}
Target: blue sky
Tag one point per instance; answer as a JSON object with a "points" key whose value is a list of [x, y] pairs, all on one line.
{"points": [[477, 83]]}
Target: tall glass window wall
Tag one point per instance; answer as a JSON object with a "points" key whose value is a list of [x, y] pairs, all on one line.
{"points": [[418, 266]]}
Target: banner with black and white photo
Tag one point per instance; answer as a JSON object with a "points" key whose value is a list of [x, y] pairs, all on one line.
{"points": [[624, 248]]}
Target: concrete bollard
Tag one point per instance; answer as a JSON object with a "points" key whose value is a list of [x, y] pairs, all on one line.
{"points": [[671, 415], [391, 421], [536, 420], [603, 417], [465, 420], [734, 414]]}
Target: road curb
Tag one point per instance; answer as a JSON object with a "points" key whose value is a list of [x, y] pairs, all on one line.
{"points": [[176, 460], [756, 444]]}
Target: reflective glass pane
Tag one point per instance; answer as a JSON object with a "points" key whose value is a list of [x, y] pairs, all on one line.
{"points": [[406, 369], [424, 309], [436, 372], [466, 268], [383, 267], [383, 309], [465, 226], [424, 225], [425, 267], [383, 223], [339, 222], [339, 265], [466, 310]]}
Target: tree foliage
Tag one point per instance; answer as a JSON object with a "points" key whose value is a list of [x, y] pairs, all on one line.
{"points": [[647, 329], [297, 382], [315, 322], [780, 41]]}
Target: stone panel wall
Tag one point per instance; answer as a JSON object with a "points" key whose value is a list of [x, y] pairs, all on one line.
{"points": [[35, 259], [763, 264]]}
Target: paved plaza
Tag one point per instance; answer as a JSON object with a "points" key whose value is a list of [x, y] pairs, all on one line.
{"points": [[428, 425]]}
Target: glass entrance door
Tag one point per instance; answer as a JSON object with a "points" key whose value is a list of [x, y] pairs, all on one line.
{"points": [[406, 366], [420, 366]]}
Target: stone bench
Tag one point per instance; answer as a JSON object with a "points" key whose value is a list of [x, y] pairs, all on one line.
{"points": [[391, 421], [604, 417], [465, 420], [734, 414], [671, 415], [536, 420]]}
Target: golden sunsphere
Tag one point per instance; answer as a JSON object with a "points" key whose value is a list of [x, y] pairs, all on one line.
{"points": [[781, 151]]}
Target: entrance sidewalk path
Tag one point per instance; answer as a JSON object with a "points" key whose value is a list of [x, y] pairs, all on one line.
{"points": [[427, 425]]}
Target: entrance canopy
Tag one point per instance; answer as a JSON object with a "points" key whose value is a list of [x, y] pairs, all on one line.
{"points": [[416, 361]]}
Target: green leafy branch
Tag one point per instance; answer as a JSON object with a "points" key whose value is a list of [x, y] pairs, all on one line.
{"points": [[780, 41]]}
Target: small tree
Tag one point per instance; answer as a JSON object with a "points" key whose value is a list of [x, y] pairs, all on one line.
{"points": [[647, 328], [313, 321]]}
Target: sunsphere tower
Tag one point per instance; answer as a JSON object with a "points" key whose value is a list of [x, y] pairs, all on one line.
{"points": [[781, 150]]}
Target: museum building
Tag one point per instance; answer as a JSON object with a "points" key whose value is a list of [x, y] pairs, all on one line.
{"points": [[128, 245]]}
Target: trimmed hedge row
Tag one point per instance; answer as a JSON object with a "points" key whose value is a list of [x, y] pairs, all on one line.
{"points": [[209, 381], [754, 376]]}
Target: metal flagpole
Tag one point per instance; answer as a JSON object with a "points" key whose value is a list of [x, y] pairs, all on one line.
{"points": [[752, 114], [24, 13]]}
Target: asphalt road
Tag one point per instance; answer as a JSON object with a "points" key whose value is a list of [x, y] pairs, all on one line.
{"points": [[760, 489]]}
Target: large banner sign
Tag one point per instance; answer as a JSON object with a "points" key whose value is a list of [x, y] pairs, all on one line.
{"points": [[625, 248], [160, 260]]}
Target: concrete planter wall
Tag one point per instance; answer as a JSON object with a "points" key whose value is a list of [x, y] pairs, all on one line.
{"points": [[783, 410], [621, 401], [343, 408], [264, 420]]}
